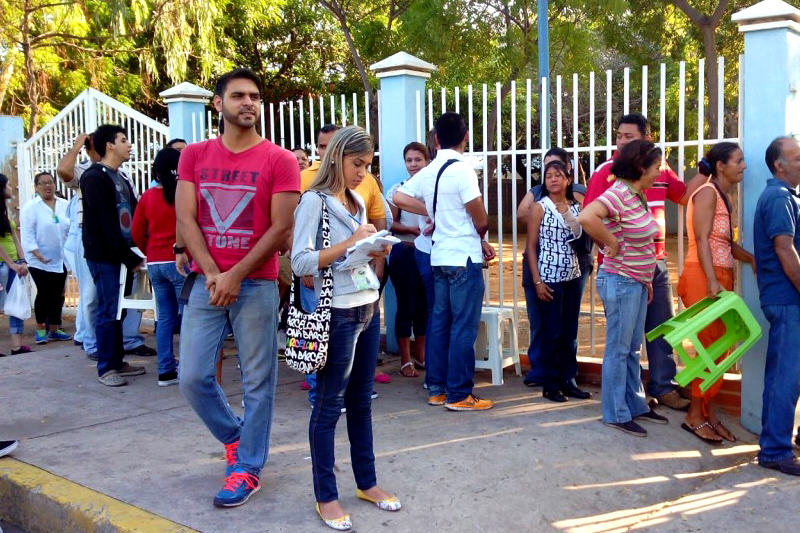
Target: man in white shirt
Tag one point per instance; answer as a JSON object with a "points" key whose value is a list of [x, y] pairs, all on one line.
{"points": [[448, 186], [70, 170]]}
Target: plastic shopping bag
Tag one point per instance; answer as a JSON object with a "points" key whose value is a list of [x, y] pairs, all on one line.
{"points": [[18, 301]]}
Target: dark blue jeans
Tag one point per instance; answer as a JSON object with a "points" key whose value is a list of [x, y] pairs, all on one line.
{"points": [[781, 383], [107, 327], [659, 353], [423, 261], [556, 340], [346, 380], [412, 311], [450, 362]]}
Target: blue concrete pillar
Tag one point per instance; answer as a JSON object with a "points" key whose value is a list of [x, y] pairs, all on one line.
{"points": [[771, 108], [402, 120], [186, 105]]}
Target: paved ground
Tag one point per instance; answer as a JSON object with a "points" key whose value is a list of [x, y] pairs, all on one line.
{"points": [[526, 465]]}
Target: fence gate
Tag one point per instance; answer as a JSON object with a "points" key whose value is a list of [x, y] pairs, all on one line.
{"points": [[90, 109]]}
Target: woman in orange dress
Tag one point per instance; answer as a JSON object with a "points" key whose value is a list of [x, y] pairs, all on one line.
{"points": [[708, 269]]}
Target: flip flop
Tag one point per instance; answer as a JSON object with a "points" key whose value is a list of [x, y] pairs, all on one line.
{"points": [[693, 431], [382, 378], [413, 374], [419, 365], [716, 427]]}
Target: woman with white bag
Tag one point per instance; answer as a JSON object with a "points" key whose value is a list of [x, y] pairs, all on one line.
{"points": [[13, 264]]}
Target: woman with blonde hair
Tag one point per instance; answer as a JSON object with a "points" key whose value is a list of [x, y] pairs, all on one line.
{"points": [[347, 378]]}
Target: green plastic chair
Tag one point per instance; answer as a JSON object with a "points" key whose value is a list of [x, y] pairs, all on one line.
{"points": [[741, 328]]}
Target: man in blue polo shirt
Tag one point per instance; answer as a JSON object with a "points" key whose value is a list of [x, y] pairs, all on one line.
{"points": [[777, 244]]}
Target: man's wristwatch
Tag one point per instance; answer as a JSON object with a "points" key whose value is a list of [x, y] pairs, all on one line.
{"points": [[178, 249]]}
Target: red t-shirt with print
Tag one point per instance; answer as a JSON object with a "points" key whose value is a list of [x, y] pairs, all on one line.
{"points": [[234, 196], [667, 186]]}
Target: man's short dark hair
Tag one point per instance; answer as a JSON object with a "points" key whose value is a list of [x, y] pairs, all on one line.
{"points": [[774, 151], [638, 120], [450, 130], [173, 141], [107, 133], [328, 128], [237, 74], [39, 175]]}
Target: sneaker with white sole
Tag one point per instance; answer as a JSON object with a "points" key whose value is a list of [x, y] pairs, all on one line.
{"points": [[7, 446], [168, 378], [112, 379], [630, 427]]}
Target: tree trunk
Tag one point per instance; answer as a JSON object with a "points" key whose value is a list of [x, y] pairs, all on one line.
{"points": [[6, 72], [31, 85], [712, 77]]}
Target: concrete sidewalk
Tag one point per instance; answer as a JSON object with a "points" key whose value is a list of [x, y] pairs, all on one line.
{"points": [[526, 465]]}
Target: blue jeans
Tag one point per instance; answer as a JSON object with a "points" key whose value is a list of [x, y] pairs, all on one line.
{"points": [[556, 340], [450, 363], [412, 310], [254, 318], [345, 381], [625, 306], [167, 285], [659, 353], [87, 309], [7, 276], [423, 261], [107, 328], [781, 383]]}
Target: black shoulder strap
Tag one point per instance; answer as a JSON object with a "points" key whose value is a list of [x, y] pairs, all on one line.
{"points": [[436, 187]]}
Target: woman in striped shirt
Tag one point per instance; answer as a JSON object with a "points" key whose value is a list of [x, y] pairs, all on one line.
{"points": [[620, 222]]}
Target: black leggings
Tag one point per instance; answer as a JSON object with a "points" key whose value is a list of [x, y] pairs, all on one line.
{"points": [[49, 295]]}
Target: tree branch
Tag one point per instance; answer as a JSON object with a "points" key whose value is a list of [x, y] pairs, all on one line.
{"points": [[716, 17], [694, 15]]}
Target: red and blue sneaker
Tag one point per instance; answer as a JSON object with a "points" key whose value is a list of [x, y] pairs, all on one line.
{"points": [[231, 456], [239, 486]]}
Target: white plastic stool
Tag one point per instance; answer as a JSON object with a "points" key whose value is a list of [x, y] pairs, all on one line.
{"points": [[141, 297], [496, 345]]}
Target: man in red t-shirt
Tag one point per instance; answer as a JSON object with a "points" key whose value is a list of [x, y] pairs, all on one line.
{"points": [[667, 187], [235, 206]]}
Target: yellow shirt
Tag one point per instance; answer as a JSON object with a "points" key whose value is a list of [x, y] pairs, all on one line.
{"points": [[368, 190], [7, 242]]}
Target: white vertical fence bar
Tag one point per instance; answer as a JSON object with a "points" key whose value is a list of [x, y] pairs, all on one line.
{"points": [[332, 109], [457, 103], [471, 119], [681, 153], [626, 73], [367, 114], [720, 133], [343, 107], [300, 103], [575, 158], [444, 100], [528, 134], [272, 123], [700, 106], [355, 110], [609, 139], [281, 124], [321, 111], [559, 131], [592, 139], [291, 125], [499, 173], [513, 134], [644, 90], [485, 174], [430, 109], [662, 105], [544, 118]]}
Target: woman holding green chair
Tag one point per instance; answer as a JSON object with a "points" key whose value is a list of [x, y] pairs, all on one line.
{"points": [[708, 269]]}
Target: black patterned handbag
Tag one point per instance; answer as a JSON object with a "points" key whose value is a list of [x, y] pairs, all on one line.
{"points": [[307, 334]]}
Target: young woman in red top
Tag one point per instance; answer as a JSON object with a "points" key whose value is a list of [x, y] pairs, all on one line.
{"points": [[154, 233]]}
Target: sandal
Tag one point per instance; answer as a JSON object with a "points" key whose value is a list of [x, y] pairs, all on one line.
{"points": [[388, 504], [413, 374], [382, 378], [694, 431], [722, 431], [419, 365]]}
